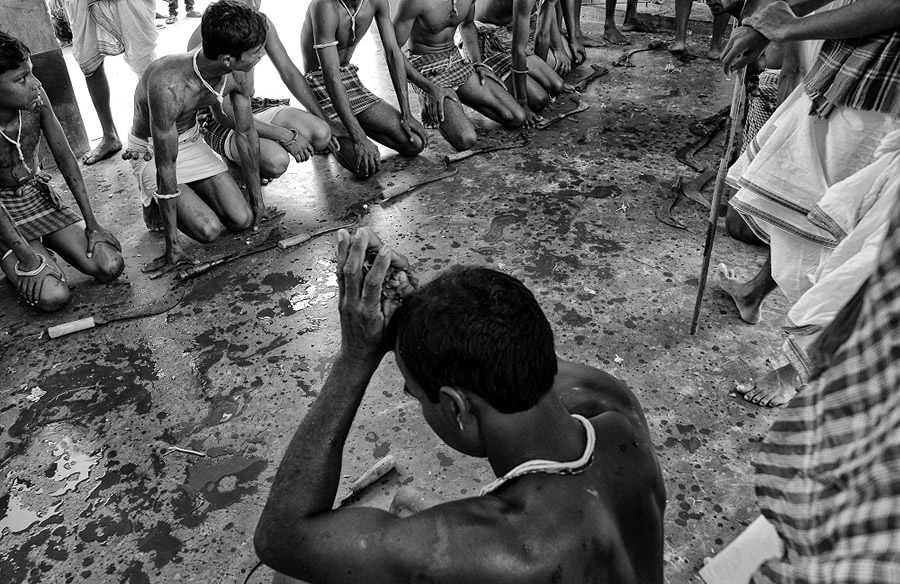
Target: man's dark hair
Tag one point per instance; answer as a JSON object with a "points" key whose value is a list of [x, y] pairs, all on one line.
{"points": [[231, 28], [480, 330], [13, 52]]}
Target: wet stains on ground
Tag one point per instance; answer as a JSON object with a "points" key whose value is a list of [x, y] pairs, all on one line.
{"points": [[232, 370]]}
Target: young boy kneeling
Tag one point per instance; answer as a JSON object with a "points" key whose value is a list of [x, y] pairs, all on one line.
{"points": [[33, 218]]}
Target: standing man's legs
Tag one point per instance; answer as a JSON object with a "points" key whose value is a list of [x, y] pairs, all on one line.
{"points": [[610, 32], [98, 87], [682, 15], [716, 43]]}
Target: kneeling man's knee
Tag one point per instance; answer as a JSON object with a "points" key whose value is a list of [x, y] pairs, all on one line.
{"points": [[208, 231], [274, 164], [239, 220], [110, 265], [465, 139], [512, 118], [413, 147], [321, 135], [54, 295]]}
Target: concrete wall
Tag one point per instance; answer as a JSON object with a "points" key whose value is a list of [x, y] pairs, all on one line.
{"points": [[29, 21]]}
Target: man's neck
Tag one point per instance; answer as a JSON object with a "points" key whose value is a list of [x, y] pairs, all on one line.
{"points": [[210, 69], [547, 431], [9, 117]]}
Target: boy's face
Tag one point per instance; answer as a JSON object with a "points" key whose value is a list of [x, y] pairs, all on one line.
{"points": [[19, 88], [249, 59]]}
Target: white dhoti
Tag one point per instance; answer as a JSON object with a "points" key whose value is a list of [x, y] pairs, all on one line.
{"points": [[112, 27], [195, 161], [860, 208], [785, 172]]}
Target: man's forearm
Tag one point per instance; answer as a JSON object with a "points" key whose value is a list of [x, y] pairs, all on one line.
{"points": [[396, 62], [862, 18], [248, 153], [341, 103], [13, 239], [307, 478]]}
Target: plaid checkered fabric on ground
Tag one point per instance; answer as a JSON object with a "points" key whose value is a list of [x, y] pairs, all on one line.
{"points": [[828, 473], [862, 73], [360, 97], [494, 53], [216, 135], [36, 208]]}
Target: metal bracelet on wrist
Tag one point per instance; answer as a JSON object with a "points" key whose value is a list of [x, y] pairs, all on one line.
{"points": [[34, 272]]}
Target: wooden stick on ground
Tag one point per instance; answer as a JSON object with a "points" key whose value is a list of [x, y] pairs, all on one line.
{"points": [[738, 103]]}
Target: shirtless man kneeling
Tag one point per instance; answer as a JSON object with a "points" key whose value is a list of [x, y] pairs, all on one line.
{"points": [[194, 191], [514, 29], [285, 132], [331, 32], [580, 495], [443, 78]]}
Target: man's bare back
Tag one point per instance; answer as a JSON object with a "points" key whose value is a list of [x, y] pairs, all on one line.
{"points": [[577, 500]]}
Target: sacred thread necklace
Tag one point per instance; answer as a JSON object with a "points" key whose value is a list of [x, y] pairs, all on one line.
{"points": [[352, 15], [219, 97], [17, 143]]}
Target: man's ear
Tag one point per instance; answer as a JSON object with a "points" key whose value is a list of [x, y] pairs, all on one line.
{"points": [[456, 402]]}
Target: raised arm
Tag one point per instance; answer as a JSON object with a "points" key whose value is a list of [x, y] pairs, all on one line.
{"points": [[396, 62], [71, 171], [298, 533]]}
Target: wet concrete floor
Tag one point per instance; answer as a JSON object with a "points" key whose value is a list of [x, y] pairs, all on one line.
{"points": [[88, 491]]}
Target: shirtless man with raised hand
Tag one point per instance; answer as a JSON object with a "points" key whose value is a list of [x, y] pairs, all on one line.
{"points": [[194, 191], [443, 78], [285, 132], [580, 495], [331, 32], [509, 25]]}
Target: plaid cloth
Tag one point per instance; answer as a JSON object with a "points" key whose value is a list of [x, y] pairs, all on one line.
{"points": [[360, 98], [507, 31], [828, 473], [36, 208], [447, 69], [216, 135], [495, 53], [762, 104], [862, 73]]}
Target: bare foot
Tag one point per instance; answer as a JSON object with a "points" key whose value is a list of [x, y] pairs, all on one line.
{"points": [[678, 47], [152, 217], [592, 42], [613, 35], [728, 282], [715, 50], [775, 388], [637, 24], [104, 150]]}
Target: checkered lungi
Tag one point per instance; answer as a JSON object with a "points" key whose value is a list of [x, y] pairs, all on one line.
{"points": [[495, 53], [507, 31], [828, 471], [447, 69], [216, 135], [360, 97], [36, 208]]}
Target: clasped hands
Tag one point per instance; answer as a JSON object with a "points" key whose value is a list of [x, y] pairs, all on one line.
{"points": [[372, 280]]}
